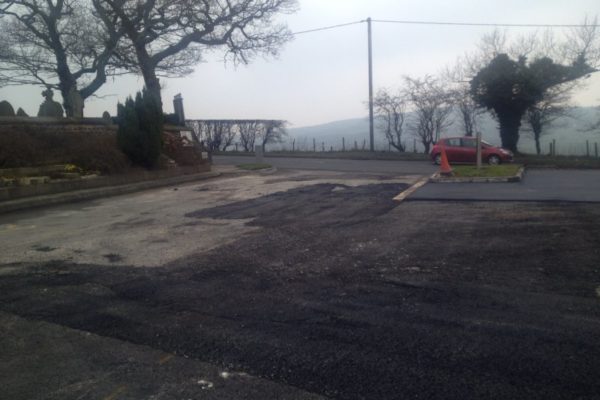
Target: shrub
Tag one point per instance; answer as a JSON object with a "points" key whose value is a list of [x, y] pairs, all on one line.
{"points": [[140, 129], [6, 109]]}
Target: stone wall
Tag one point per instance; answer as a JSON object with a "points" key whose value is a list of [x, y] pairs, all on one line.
{"points": [[90, 143], [55, 125]]}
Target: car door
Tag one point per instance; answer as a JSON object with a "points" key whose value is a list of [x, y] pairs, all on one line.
{"points": [[468, 150], [453, 149]]}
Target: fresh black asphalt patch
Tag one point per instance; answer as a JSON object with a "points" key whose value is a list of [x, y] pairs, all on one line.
{"points": [[536, 186], [345, 293]]}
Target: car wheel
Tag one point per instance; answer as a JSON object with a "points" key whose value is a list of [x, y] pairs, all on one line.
{"points": [[493, 160], [437, 159]]}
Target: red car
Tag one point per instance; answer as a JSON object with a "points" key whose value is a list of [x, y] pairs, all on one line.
{"points": [[464, 150]]}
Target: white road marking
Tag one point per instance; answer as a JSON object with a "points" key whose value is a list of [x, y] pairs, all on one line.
{"points": [[403, 195]]}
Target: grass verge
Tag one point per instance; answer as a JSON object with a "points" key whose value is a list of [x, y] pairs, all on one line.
{"points": [[487, 171], [254, 167]]}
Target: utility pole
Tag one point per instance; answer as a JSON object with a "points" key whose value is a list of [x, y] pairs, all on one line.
{"points": [[371, 130]]}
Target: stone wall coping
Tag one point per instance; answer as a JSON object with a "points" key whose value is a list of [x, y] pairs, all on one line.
{"points": [[54, 121]]}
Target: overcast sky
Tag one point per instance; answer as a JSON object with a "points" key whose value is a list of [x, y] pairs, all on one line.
{"points": [[322, 76]]}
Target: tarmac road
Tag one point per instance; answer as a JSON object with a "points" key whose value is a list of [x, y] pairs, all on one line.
{"points": [[326, 288], [340, 165], [538, 184]]}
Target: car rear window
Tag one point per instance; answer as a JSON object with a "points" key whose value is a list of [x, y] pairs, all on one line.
{"points": [[469, 143], [453, 142]]}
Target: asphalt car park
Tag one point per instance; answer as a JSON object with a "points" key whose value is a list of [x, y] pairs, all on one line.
{"points": [[300, 285]]}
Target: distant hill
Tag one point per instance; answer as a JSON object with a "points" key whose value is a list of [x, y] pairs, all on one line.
{"points": [[570, 134]]}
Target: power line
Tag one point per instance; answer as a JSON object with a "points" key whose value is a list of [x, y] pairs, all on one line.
{"points": [[447, 23], [329, 27], [485, 24]]}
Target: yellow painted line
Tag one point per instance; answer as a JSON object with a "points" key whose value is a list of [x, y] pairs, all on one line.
{"points": [[116, 393], [403, 195], [165, 359]]}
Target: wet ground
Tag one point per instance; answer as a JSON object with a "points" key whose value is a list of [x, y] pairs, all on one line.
{"points": [[332, 289]]}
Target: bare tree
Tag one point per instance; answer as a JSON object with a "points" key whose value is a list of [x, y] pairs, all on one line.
{"points": [[214, 134], [431, 106], [554, 105], [390, 111], [168, 36], [583, 43], [218, 135], [458, 82], [60, 44], [249, 130], [273, 132], [228, 133]]}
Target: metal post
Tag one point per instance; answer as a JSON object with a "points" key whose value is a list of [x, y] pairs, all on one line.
{"points": [[259, 153], [478, 150], [314, 145], [343, 144], [553, 147], [371, 128]]}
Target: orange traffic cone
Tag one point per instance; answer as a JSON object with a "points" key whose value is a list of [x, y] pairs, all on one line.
{"points": [[445, 168]]}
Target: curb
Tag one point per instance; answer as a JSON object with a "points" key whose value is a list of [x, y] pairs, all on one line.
{"points": [[518, 177], [403, 195], [107, 191], [267, 171]]}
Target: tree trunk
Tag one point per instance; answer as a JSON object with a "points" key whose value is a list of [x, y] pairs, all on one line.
{"points": [[148, 69], [426, 145], [536, 135], [153, 85], [468, 124], [73, 102], [72, 99], [398, 147], [509, 130]]}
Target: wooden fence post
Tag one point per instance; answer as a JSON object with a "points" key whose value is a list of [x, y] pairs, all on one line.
{"points": [[587, 148]]}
